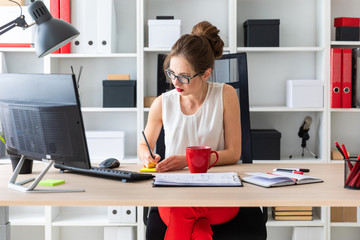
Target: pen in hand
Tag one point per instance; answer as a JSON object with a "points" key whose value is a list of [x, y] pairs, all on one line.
{"points": [[147, 144]]}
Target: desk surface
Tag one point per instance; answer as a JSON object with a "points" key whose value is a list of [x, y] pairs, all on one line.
{"points": [[105, 192]]}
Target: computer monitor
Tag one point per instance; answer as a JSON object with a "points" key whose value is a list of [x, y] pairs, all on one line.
{"points": [[41, 118]]}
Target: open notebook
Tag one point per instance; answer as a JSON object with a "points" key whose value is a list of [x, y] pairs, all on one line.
{"points": [[279, 179]]}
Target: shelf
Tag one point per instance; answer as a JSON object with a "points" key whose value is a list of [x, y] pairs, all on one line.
{"points": [[283, 109], [345, 43], [107, 110], [167, 50], [95, 55], [27, 219], [347, 110], [344, 224], [316, 222], [293, 160], [20, 50], [280, 49], [85, 220]]}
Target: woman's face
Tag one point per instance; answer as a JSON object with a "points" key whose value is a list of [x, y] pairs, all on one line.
{"points": [[179, 66]]}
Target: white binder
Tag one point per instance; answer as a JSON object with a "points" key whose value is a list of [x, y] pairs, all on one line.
{"points": [[90, 26], [78, 19], [106, 27], [3, 68]]}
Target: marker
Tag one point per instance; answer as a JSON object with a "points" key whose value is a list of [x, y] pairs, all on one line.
{"points": [[292, 170]]}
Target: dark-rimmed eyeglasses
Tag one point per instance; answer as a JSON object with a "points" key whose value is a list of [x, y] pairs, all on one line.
{"points": [[181, 78]]}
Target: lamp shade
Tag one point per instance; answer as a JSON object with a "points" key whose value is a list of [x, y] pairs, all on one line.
{"points": [[51, 33]]}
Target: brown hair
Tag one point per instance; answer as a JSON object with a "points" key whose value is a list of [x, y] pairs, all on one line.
{"points": [[200, 48]]}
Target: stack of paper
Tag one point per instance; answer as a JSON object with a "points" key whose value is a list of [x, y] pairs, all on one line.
{"points": [[228, 179]]}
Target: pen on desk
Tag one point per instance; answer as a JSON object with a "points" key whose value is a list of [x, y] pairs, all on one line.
{"points": [[147, 144], [292, 170]]}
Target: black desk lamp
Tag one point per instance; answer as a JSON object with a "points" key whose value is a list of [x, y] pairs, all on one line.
{"points": [[51, 33]]}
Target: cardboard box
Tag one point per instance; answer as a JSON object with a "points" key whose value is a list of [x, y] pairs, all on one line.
{"points": [[105, 144], [8, 3], [119, 233], [304, 93], [119, 93], [261, 33], [164, 33], [118, 77], [148, 101], [343, 214]]}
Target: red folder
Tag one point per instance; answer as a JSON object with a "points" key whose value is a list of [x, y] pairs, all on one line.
{"points": [[55, 12], [65, 14], [346, 62], [335, 78]]}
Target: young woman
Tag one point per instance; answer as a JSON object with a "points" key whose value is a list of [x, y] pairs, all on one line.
{"points": [[196, 112]]}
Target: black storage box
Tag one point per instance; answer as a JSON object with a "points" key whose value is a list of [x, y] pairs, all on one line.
{"points": [[347, 34], [119, 93], [261, 33], [265, 144]]}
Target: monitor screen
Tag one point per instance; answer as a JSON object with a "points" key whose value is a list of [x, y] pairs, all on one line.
{"points": [[41, 118]]}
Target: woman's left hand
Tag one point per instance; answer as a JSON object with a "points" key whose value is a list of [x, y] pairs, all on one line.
{"points": [[172, 163]]}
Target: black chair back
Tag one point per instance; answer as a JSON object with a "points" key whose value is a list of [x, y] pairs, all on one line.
{"points": [[230, 69]]}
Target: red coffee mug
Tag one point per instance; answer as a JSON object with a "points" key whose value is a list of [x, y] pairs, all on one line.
{"points": [[198, 158]]}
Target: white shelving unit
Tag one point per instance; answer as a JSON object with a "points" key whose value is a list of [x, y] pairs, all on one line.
{"points": [[306, 36]]}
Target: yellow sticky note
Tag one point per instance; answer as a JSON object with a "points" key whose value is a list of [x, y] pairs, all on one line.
{"points": [[147, 170], [51, 182]]}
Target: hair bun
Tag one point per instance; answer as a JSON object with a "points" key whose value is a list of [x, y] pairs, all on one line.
{"points": [[211, 32]]}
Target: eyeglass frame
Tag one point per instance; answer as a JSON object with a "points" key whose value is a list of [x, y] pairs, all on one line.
{"points": [[177, 76]]}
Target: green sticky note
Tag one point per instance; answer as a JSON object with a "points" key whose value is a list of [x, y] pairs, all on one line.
{"points": [[51, 182]]}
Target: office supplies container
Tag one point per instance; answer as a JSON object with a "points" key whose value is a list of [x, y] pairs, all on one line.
{"points": [[265, 144], [352, 173], [119, 93], [105, 144], [304, 93], [163, 33], [262, 32]]}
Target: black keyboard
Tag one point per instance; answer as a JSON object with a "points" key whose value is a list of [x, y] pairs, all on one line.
{"points": [[109, 173]]}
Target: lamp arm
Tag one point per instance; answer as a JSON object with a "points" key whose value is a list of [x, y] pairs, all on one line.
{"points": [[18, 22]]}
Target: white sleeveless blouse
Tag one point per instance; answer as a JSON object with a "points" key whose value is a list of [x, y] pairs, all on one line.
{"points": [[203, 128]]}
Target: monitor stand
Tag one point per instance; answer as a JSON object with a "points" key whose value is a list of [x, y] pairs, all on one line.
{"points": [[19, 185]]}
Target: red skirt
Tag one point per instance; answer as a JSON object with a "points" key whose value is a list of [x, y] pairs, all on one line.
{"points": [[187, 223]]}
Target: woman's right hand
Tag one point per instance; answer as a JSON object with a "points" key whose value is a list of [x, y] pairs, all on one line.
{"points": [[148, 161]]}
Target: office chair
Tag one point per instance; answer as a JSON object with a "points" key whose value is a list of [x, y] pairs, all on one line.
{"points": [[250, 222]]}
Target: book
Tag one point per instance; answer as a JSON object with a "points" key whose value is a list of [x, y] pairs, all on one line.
{"points": [[279, 179], [292, 213], [226, 179], [16, 45], [292, 218], [292, 208]]}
